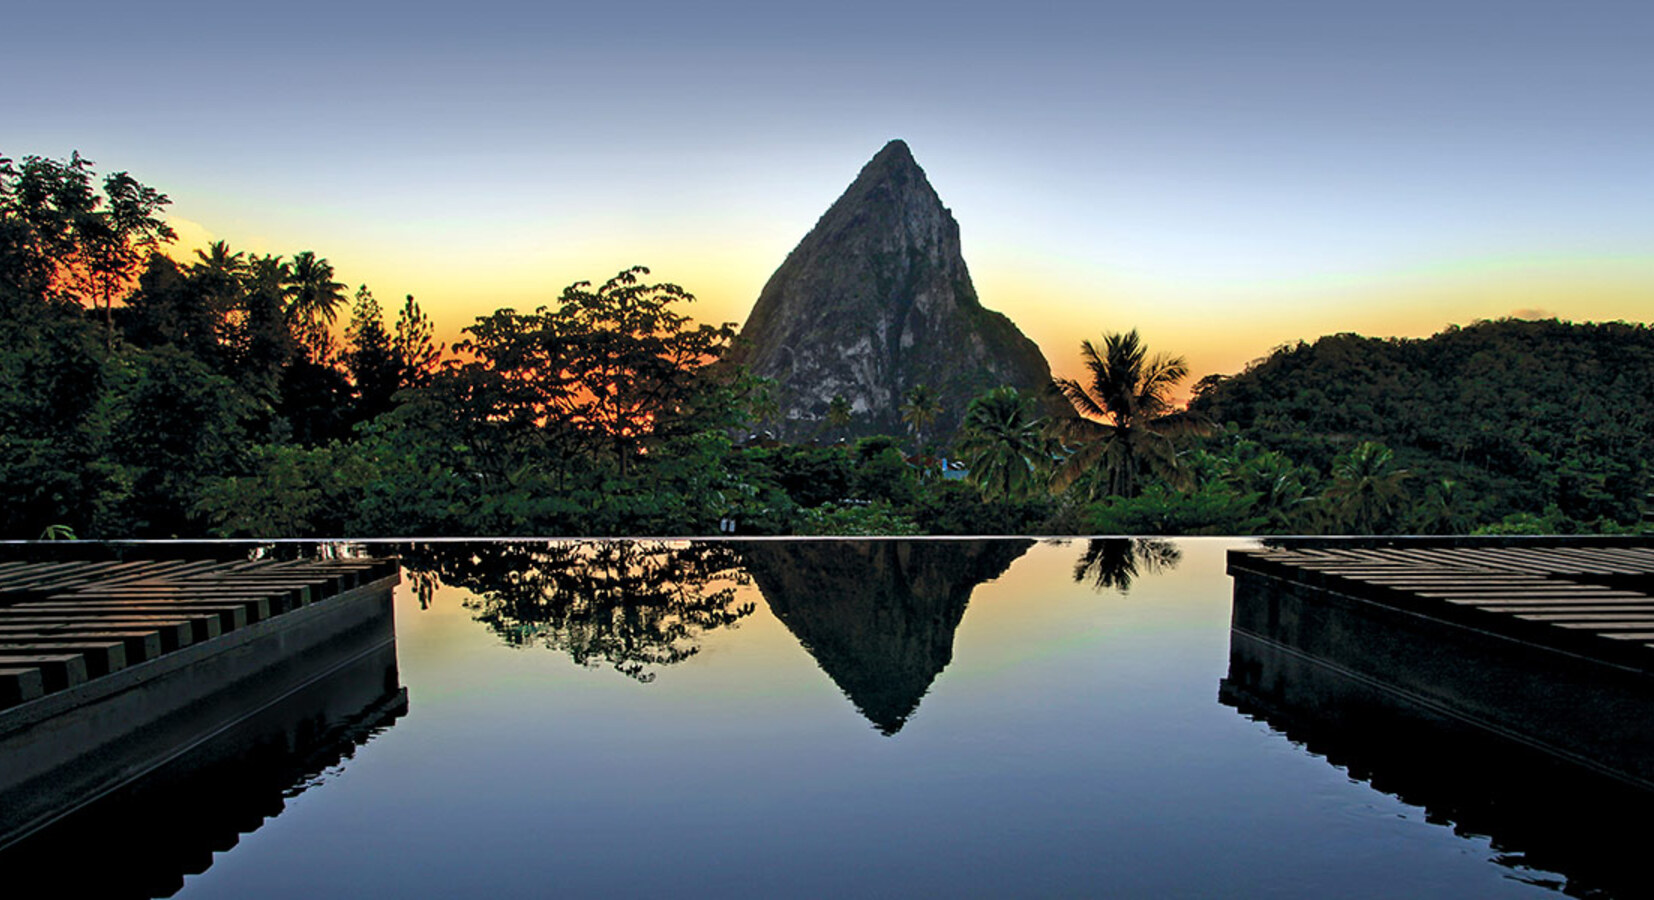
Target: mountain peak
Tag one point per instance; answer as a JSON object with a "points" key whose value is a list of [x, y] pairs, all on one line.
{"points": [[895, 153], [875, 301]]}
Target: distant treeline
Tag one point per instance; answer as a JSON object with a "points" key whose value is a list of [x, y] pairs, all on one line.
{"points": [[141, 396]]}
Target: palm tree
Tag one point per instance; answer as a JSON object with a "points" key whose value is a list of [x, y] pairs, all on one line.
{"points": [[838, 412], [218, 259], [1279, 485], [921, 409], [313, 298], [220, 274], [1123, 418], [1003, 442], [1365, 488], [1444, 510]]}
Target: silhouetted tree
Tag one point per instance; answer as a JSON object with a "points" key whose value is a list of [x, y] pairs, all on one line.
{"points": [[370, 356], [1124, 416], [261, 341], [414, 343], [616, 367], [67, 239], [313, 301]]}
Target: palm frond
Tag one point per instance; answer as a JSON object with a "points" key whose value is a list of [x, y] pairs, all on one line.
{"points": [[1085, 405]]}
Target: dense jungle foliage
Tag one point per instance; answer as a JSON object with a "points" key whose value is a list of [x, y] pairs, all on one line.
{"points": [[237, 394], [1538, 425]]}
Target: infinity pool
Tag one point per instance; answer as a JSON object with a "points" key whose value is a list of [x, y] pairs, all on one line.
{"points": [[822, 718]]}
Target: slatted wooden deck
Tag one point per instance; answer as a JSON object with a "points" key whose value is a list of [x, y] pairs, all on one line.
{"points": [[63, 623], [1593, 601]]}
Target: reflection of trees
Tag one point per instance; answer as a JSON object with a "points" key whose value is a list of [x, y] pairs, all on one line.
{"points": [[1115, 562], [630, 604], [878, 616]]}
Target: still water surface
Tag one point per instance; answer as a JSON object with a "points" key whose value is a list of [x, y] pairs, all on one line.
{"points": [[886, 718]]}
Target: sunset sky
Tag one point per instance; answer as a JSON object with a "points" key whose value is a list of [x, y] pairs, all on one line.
{"points": [[1223, 176]]}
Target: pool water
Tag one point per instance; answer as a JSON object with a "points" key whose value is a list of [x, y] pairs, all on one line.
{"points": [[838, 718]]}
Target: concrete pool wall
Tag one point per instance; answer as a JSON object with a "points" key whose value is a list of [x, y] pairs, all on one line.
{"points": [[71, 747]]}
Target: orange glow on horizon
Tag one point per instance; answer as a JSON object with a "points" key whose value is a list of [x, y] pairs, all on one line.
{"points": [[1217, 326]]}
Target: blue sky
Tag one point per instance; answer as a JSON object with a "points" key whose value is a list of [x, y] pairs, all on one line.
{"points": [[1224, 176]]}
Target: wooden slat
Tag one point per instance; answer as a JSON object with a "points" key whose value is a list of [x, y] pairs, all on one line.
{"points": [[139, 645], [64, 622], [102, 657], [58, 671], [198, 626], [1577, 597], [230, 616], [20, 685], [170, 633]]}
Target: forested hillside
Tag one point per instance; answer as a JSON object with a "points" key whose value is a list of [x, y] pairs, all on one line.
{"points": [[1542, 418]]}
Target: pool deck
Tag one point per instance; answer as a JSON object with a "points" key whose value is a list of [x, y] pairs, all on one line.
{"points": [[1550, 646], [1592, 601], [109, 670]]}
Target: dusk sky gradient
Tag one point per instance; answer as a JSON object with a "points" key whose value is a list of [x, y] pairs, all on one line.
{"points": [[1223, 176]]}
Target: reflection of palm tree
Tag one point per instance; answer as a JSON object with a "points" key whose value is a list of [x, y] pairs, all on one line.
{"points": [[1123, 417], [921, 408], [631, 604], [1115, 562], [1003, 443]]}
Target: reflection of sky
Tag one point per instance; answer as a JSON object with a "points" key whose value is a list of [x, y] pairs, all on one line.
{"points": [[1074, 746], [1225, 176]]}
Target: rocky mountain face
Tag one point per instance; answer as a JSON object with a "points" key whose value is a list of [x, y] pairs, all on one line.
{"points": [[875, 300]]}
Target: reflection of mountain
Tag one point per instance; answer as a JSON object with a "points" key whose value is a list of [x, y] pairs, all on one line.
{"points": [[878, 616], [1343, 681], [142, 840]]}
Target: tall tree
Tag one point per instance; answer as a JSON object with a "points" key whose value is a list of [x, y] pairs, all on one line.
{"points": [[415, 346], [313, 301], [370, 356], [839, 412], [66, 239], [119, 240], [919, 410], [616, 366], [1123, 415], [260, 337], [1003, 443]]}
